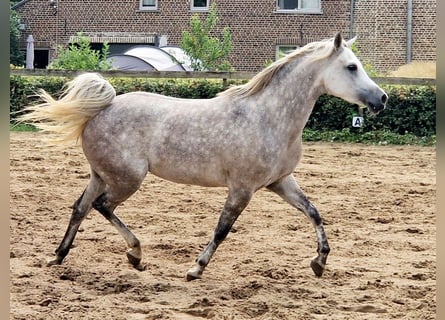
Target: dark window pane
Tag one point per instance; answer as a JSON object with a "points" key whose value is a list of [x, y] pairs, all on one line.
{"points": [[200, 3], [288, 4]]}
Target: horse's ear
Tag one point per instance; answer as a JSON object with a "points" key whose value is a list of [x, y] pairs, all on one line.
{"points": [[350, 42], [338, 41]]}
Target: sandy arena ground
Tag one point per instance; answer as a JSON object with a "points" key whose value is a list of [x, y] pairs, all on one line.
{"points": [[378, 203]]}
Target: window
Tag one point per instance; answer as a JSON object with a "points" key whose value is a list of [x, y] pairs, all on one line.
{"points": [[311, 6], [199, 5], [148, 5], [283, 50]]}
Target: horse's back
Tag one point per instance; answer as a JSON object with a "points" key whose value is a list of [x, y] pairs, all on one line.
{"points": [[132, 112]]}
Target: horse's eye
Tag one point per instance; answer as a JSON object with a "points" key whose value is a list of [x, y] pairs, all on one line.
{"points": [[352, 67]]}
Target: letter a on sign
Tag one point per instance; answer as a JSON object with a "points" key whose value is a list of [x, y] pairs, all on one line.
{"points": [[357, 122]]}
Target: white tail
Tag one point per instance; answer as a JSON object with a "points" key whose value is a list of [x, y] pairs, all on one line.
{"points": [[83, 97]]}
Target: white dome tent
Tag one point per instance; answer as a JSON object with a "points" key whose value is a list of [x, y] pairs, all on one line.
{"points": [[179, 55], [151, 58], [129, 63]]}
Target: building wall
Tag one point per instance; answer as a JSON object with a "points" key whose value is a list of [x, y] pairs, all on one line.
{"points": [[256, 26], [424, 30], [381, 27]]}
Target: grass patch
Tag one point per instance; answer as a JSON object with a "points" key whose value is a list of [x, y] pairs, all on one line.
{"points": [[377, 137], [22, 127]]}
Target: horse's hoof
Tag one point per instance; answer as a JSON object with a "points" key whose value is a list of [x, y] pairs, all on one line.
{"points": [[193, 275], [317, 267], [140, 267], [54, 262], [133, 260]]}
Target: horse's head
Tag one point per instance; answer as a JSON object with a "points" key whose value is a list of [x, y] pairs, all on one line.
{"points": [[344, 77]]}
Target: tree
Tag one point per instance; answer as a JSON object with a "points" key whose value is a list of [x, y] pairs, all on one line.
{"points": [[16, 57], [80, 56], [207, 52]]}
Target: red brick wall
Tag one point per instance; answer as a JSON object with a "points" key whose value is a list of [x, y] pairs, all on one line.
{"points": [[256, 27], [256, 32], [40, 22], [424, 30], [381, 27]]}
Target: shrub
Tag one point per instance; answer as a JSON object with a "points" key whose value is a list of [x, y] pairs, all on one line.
{"points": [[410, 109], [80, 56], [16, 57], [23, 90]]}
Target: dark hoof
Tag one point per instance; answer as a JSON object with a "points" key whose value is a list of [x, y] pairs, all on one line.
{"points": [[54, 262], [136, 262], [133, 260], [193, 275], [140, 267], [190, 277], [317, 268]]}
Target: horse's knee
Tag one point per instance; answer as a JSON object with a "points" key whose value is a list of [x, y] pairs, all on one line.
{"points": [[235, 204]]}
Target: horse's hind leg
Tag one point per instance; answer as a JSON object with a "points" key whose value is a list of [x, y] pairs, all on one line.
{"points": [[80, 210], [106, 206], [236, 201], [289, 190]]}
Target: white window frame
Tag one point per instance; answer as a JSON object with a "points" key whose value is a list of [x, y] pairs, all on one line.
{"points": [[193, 8], [279, 52], [143, 7], [300, 8]]}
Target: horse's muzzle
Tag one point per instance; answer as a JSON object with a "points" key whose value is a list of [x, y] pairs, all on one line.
{"points": [[377, 104]]}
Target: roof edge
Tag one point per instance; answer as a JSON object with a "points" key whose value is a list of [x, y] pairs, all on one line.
{"points": [[19, 4]]}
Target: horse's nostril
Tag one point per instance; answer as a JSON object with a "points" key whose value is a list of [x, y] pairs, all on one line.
{"points": [[384, 98]]}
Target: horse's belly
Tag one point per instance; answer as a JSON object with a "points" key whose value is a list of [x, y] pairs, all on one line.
{"points": [[188, 175]]}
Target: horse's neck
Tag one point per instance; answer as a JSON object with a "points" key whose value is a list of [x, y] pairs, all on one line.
{"points": [[291, 96]]}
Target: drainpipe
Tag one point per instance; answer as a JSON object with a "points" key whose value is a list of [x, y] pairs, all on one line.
{"points": [[351, 20], [409, 31]]}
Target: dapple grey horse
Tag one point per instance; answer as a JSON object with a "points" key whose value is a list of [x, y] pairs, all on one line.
{"points": [[246, 138]]}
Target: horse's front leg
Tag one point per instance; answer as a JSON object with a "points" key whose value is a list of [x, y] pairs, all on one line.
{"points": [[289, 190], [236, 201]]}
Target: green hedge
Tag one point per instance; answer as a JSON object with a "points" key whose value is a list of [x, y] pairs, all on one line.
{"points": [[410, 109], [23, 89]]}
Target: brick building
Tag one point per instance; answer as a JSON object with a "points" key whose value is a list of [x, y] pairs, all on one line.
{"points": [[390, 33]]}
